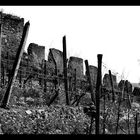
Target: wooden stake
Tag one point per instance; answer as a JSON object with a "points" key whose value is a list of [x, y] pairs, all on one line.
{"points": [[136, 123], [112, 86], [89, 79], [0, 43], [65, 69], [3, 75], [98, 93], [128, 121], [45, 72], [104, 116], [8, 67]]}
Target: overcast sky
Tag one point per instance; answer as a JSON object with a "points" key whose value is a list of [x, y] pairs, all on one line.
{"points": [[113, 31]]}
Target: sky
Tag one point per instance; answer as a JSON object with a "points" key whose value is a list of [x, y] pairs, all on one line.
{"points": [[113, 31]]}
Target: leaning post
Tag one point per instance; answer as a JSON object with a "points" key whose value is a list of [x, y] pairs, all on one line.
{"points": [[15, 68], [0, 44]]}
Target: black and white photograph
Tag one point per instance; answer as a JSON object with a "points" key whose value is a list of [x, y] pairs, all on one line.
{"points": [[69, 70]]}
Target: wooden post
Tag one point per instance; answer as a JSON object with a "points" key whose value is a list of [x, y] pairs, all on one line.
{"points": [[104, 116], [112, 86], [128, 101], [136, 123], [128, 122], [45, 72], [8, 67], [0, 43], [65, 69], [89, 79], [119, 104], [14, 71], [3, 75], [98, 93]]}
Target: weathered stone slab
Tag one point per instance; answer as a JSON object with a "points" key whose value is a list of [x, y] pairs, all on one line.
{"points": [[12, 28], [76, 63], [58, 57], [127, 86], [37, 54], [93, 73], [107, 83], [136, 91], [50, 68]]}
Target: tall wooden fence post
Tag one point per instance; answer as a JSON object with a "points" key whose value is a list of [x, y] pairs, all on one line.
{"points": [[104, 114], [89, 79], [112, 86], [65, 69], [45, 72], [98, 93], [15, 68], [0, 44], [7, 66], [136, 123], [128, 94], [3, 75]]}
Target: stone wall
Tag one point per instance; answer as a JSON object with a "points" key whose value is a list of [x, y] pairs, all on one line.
{"points": [[93, 73], [36, 53], [58, 56], [11, 34], [76, 63], [50, 68], [12, 28]]}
